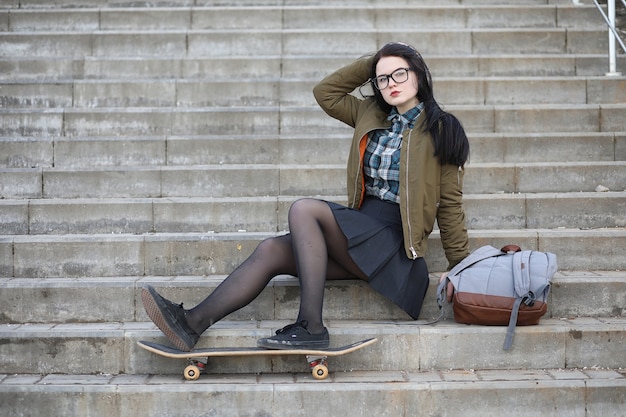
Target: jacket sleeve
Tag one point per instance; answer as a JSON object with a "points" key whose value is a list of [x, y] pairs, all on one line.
{"points": [[451, 215], [333, 92]]}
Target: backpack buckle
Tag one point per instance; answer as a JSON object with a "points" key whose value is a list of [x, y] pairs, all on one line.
{"points": [[529, 299]]}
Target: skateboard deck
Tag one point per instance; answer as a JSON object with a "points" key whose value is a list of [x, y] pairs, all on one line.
{"points": [[316, 358]]}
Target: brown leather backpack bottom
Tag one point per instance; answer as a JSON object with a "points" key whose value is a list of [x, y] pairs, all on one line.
{"points": [[493, 310]]}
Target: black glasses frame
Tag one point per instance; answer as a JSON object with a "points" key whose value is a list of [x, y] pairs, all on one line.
{"points": [[388, 76]]}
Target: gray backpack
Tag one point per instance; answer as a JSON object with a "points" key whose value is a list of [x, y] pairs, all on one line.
{"points": [[505, 286]]}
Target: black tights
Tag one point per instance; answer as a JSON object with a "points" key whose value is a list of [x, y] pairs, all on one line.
{"points": [[315, 250]]}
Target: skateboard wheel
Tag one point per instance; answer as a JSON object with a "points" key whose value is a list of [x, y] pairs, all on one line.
{"points": [[192, 372], [320, 372]]}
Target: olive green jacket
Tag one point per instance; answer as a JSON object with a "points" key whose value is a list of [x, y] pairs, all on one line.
{"points": [[429, 191]]}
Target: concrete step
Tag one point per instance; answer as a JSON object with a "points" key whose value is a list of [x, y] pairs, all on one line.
{"points": [[120, 151], [116, 299], [489, 119], [472, 393], [110, 348], [295, 120], [590, 210], [555, 147], [217, 181], [207, 43], [333, 16], [49, 4], [250, 92], [172, 254], [291, 67]]}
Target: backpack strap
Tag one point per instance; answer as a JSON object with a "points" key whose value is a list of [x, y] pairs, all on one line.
{"points": [[521, 272], [521, 281], [478, 255], [441, 295]]}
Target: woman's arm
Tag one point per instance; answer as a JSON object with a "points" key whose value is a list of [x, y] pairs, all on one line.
{"points": [[451, 215], [333, 92]]}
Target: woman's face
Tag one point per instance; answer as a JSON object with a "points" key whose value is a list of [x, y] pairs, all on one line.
{"points": [[402, 95]]}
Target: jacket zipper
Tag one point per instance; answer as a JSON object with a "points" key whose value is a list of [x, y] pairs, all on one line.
{"points": [[408, 208], [356, 183]]}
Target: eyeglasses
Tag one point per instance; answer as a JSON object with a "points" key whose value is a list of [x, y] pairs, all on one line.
{"points": [[400, 76]]}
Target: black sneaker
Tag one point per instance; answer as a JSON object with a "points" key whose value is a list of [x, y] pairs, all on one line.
{"points": [[169, 318], [296, 336]]}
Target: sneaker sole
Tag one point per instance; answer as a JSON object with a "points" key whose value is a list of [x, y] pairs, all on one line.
{"points": [[154, 312]]}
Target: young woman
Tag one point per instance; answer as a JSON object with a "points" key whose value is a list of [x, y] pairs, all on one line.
{"points": [[405, 170]]}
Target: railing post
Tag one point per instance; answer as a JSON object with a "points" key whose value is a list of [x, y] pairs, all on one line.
{"points": [[612, 45]]}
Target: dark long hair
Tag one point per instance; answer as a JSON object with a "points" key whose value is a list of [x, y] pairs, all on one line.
{"points": [[450, 140]]}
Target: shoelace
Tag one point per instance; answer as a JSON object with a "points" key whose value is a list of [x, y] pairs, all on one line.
{"points": [[171, 306], [289, 327], [171, 303]]}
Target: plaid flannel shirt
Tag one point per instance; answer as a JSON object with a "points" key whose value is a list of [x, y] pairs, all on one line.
{"points": [[382, 156]]}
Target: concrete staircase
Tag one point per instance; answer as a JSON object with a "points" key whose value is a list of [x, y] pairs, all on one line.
{"points": [[159, 142]]}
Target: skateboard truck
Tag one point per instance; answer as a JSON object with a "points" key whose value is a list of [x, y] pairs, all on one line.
{"points": [[195, 368], [319, 366]]}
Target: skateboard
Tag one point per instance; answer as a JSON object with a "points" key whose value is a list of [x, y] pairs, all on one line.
{"points": [[317, 359]]}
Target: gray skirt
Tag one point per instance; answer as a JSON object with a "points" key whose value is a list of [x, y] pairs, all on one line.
{"points": [[375, 243]]}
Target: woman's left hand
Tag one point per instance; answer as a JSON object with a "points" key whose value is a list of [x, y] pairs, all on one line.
{"points": [[450, 287]]}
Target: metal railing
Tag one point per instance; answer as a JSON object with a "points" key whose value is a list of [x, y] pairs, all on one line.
{"points": [[613, 34]]}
